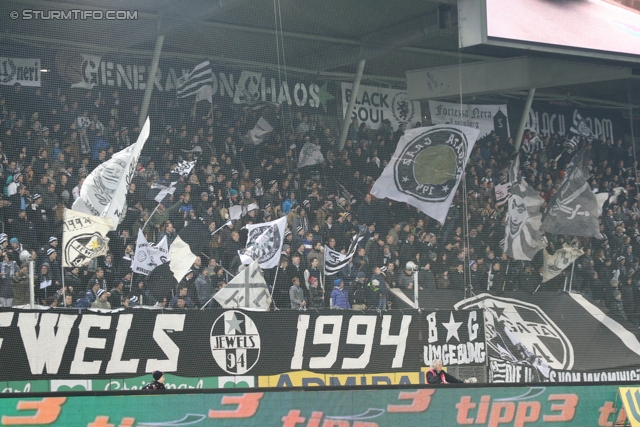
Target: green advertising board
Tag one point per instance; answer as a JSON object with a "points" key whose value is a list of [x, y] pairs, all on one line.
{"points": [[172, 382], [446, 406]]}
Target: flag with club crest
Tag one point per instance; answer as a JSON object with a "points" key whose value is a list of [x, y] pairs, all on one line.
{"points": [[574, 209], [310, 155], [427, 167], [84, 237], [149, 256], [523, 238], [264, 243]]}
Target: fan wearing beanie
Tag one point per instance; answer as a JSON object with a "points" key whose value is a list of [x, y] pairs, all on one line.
{"points": [[157, 383]]}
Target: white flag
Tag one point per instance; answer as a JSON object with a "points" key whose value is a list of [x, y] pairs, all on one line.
{"points": [[561, 259], [84, 237], [247, 290], [149, 256], [264, 243], [310, 155], [104, 192], [198, 82], [184, 168], [427, 167], [259, 132], [164, 191]]}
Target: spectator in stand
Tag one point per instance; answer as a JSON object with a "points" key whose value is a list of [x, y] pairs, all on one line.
{"points": [[340, 296], [102, 301], [296, 296]]}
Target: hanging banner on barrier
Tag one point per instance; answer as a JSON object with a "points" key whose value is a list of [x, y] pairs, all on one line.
{"points": [[63, 344], [486, 118], [88, 71], [25, 71], [374, 104], [547, 118]]}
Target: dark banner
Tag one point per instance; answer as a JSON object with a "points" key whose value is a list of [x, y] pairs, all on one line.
{"points": [[555, 337], [65, 344], [547, 118], [87, 71]]}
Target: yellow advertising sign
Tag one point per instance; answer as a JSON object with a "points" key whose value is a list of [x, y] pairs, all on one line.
{"points": [[311, 379], [631, 401]]}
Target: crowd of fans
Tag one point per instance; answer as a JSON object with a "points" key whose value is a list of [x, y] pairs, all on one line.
{"points": [[50, 140]]}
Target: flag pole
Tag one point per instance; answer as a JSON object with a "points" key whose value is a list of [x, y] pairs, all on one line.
{"points": [[64, 299], [149, 219], [573, 266], [275, 279]]}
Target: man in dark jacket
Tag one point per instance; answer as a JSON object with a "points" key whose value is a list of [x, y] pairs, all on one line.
{"points": [[157, 383]]}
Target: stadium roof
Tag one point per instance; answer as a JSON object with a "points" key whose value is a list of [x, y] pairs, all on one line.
{"points": [[325, 37]]}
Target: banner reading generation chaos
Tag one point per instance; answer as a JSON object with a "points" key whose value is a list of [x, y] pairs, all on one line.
{"points": [[64, 344]]}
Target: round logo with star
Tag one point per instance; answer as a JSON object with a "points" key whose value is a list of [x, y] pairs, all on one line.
{"points": [[235, 342], [521, 332], [263, 243], [430, 165]]}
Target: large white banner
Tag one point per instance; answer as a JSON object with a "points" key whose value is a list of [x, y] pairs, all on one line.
{"points": [[104, 191], [485, 118], [25, 71], [374, 104]]}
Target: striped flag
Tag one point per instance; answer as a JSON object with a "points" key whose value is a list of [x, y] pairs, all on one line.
{"points": [[198, 82], [334, 261]]}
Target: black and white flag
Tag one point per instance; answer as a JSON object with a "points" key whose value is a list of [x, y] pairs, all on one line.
{"points": [[533, 145], [238, 211], [523, 238], [188, 245], [581, 128], [184, 168], [248, 290], [426, 168], [149, 256], [264, 243], [574, 209], [561, 259], [334, 261], [164, 191], [198, 82]]}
